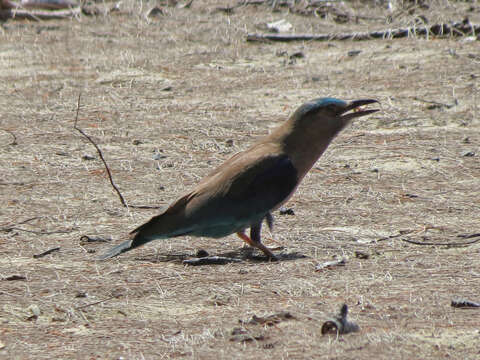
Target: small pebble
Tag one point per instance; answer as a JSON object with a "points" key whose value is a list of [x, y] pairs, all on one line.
{"points": [[297, 55], [353, 53], [361, 255], [81, 294], [88, 157], [286, 211], [158, 156], [201, 253], [34, 309]]}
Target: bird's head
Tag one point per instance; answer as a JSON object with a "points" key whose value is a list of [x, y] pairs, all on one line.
{"points": [[311, 128], [330, 115]]}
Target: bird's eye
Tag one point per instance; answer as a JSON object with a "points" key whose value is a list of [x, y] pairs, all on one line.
{"points": [[331, 108]]}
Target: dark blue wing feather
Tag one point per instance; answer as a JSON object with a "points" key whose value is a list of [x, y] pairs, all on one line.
{"points": [[246, 199], [274, 185]]}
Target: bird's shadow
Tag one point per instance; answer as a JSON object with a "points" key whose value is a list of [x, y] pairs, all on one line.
{"points": [[240, 255]]}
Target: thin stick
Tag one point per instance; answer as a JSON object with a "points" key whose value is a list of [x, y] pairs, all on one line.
{"points": [[464, 304], [13, 227], [441, 244], [99, 152], [39, 14], [45, 253], [454, 29], [39, 4], [210, 260], [469, 236], [109, 173], [38, 232], [14, 142], [448, 106], [95, 303], [330, 264], [400, 233], [21, 222]]}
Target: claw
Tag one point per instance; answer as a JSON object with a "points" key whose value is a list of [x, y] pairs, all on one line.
{"points": [[257, 245]]}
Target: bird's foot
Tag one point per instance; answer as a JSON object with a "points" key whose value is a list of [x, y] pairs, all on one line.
{"points": [[258, 245]]}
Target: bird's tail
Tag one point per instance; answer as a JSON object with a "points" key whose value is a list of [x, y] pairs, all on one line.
{"points": [[117, 250], [157, 227], [137, 240], [167, 224]]}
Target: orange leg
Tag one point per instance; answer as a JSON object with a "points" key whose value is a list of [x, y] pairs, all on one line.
{"points": [[257, 245]]}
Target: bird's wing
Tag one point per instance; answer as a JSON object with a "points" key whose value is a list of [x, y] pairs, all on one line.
{"points": [[240, 193], [247, 186], [266, 184]]}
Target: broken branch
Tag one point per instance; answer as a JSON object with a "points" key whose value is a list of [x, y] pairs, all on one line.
{"points": [[441, 244], [39, 14], [99, 152], [210, 260], [20, 223], [41, 232], [464, 304], [45, 253], [38, 232], [330, 264], [109, 173], [453, 29]]}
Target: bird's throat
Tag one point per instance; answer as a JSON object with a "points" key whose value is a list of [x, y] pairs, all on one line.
{"points": [[303, 146]]}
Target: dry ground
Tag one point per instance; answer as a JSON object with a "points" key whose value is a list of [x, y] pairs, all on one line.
{"points": [[163, 97]]}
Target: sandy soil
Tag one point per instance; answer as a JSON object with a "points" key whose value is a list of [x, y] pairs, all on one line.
{"points": [[168, 98]]}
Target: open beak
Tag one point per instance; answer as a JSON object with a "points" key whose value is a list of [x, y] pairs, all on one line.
{"points": [[357, 112]]}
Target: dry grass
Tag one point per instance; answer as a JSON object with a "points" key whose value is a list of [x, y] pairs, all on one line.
{"points": [[146, 305]]}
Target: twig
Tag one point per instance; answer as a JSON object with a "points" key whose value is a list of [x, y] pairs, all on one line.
{"points": [[38, 232], [434, 104], [92, 239], [45, 253], [454, 29], [469, 236], [400, 233], [464, 304], [16, 183], [14, 227], [441, 244], [330, 264], [251, 2], [210, 260], [13, 135], [96, 302], [39, 4], [9, 294], [14, 277], [22, 222], [146, 206], [100, 154], [39, 14]]}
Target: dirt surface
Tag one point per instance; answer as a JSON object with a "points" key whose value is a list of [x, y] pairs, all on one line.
{"points": [[170, 97]]}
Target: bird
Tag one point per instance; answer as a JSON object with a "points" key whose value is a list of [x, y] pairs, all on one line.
{"points": [[243, 192]]}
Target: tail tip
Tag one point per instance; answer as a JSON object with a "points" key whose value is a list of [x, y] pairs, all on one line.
{"points": [[117, 250]]}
